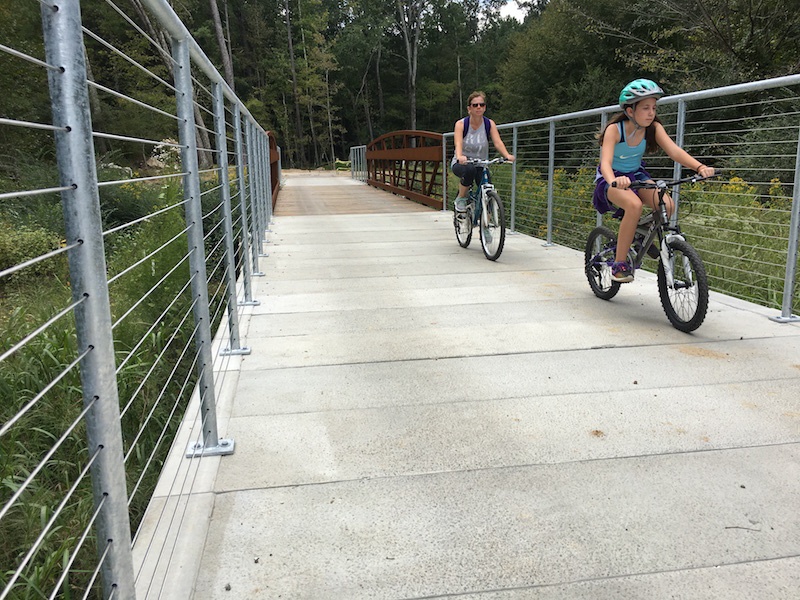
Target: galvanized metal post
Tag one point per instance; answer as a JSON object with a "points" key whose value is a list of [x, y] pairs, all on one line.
{"points": [[268, 163], [221, 134], [87, 267], [280, 168], [676, 171], [211, 444], [789, 282], [252, 169], [551, 169], [514, 151], [263, 177], [247, 268], [445, 173]]}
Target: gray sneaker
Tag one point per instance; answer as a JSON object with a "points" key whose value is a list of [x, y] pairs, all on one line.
{"points": [[460, 204]]}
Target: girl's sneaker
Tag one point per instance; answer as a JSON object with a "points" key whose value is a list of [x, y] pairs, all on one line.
{"points": [[621, 272], [460, 204]]}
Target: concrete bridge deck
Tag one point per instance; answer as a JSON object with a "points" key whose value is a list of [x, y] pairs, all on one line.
{"points": [[415, 421]]}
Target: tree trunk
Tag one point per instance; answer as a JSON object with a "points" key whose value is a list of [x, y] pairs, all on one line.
{"points": [[227, 67], [298, 121], [381, 109], [330, 115], [410, 17]]}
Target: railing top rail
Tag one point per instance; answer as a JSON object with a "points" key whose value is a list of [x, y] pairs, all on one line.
{"points": [[173, 24], [700, 95]]}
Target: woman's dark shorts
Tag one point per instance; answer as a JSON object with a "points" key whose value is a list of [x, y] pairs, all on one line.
{"points": [[467, 173]]}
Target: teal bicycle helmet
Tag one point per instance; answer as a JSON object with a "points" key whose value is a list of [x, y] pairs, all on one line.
{"points": [[639, 89]]}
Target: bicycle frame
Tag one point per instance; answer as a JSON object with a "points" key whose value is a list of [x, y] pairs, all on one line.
{"points": [[659, 225], [483, 187]]}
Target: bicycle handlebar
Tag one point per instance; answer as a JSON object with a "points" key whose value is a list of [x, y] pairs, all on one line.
{"points": [[479, 162], [645, 185]]}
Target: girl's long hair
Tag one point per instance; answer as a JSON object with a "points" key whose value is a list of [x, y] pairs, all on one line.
{"points": [[649, 133]]}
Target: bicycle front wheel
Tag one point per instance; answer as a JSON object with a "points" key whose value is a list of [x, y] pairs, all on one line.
{"points": [[462, 221], [601, 249], [493, 227], [684, 296]]}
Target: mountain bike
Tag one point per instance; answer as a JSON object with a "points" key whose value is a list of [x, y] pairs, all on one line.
{"points": [[682, 281], [484, 208]]}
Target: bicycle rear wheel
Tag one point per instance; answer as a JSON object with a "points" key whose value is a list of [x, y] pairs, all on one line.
{"points": [[601, 248], [685, 300], [462, 221], [493, 227]]}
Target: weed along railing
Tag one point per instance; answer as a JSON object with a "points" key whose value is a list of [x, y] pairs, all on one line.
{"points": [[407, 163], [133, 212], [744, 223]]}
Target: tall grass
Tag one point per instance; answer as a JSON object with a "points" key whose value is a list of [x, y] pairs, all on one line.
{"points": [[152, 368]]}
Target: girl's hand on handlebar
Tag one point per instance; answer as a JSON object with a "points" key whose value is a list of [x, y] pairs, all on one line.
{"points": [[705, 171], [621, 182], [510, 158], [462, 160]]}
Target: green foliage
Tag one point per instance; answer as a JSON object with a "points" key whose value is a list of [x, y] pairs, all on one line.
{"points": [[22, 243]]}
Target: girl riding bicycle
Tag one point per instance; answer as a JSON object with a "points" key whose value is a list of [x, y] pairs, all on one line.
{"points": [[471, 136], [623, 143]]}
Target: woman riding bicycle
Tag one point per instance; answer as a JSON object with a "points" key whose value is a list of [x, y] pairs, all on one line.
{"points": [[623, 143], [471, 135]]}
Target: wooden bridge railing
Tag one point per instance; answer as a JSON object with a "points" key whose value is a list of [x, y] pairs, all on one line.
{"points": [[407, 163]]}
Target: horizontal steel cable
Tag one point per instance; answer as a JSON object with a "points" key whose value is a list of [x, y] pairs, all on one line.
{"points": [[23, 194], [42, 328], [29, 58], [68, 567], [146, 257], [131, 100], [56, 513], [32, 475], [96, 573], [158, 320], [144, 218], [33, 401], [38, 259], [144, 297], [158, 358], [154, 43], [31, 125], [120, 53]]}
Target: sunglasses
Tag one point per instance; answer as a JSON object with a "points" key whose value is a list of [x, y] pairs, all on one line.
{"points": [[477, 104]]}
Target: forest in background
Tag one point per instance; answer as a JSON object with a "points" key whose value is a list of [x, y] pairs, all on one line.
{"points": [[325, 75]]}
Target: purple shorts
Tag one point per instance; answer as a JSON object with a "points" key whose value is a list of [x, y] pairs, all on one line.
{"points": [[600, 197]]}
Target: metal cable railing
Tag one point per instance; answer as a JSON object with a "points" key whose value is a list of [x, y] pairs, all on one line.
{"points": [[107, 354]]}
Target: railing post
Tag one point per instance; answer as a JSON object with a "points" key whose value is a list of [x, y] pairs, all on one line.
{"points": [[264, 206], [220, 130], [252, 170], [514, 150], [87, 267], [551, 169], [268, 162], [676, 169], [247, 268], [445, 173], [786, 315], [211, 444]]}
